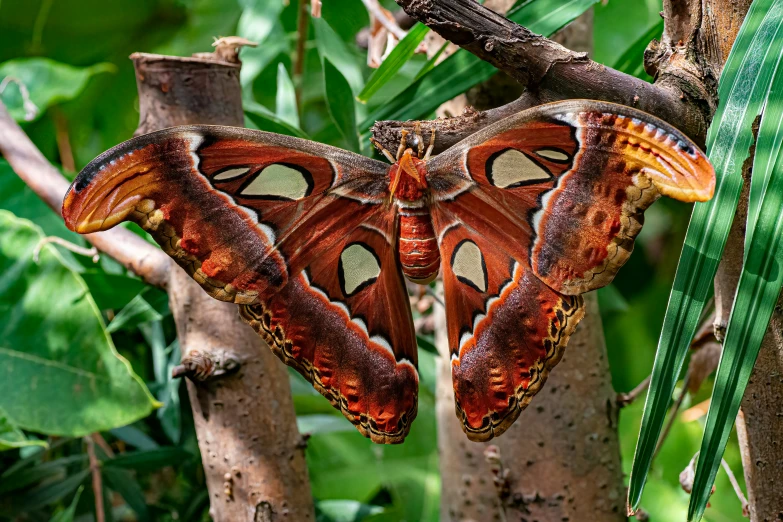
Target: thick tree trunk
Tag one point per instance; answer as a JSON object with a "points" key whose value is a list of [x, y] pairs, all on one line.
{"points": [[252, 453]]}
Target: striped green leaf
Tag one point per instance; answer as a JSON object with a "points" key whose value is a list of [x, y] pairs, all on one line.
{"points": [[462, 70], [743, 90], [757, 293], [394, 62]]}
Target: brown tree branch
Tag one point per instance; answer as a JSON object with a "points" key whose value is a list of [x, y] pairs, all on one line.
{"points": [[251, 449], [685, 92], [137, 255]]}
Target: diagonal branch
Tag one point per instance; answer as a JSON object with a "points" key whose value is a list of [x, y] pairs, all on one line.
{"points": [[551, 72], [142, 258]]}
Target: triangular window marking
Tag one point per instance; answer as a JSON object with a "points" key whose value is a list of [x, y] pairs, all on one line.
{"points": [[359, 267], [279, 181], [467, 263], [511, 168], [554, 155]]}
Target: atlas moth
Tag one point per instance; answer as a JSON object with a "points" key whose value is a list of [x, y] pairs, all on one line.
{"points": [[312, 242]]}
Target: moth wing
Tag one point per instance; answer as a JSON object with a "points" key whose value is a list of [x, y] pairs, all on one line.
{"points": [[264, 221]]}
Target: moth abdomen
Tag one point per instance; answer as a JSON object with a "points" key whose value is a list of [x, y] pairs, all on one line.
{"points": [[418, 246]]}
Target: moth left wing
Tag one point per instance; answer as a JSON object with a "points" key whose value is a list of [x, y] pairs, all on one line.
{"points": [[345, 324], [299, 233]]}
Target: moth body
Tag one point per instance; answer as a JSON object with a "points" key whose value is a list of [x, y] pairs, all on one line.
{"points": [[417, 242]]}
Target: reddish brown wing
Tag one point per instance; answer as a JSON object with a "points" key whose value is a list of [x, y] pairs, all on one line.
{"points": [[299, 233], [506, 328], [560, 190]]}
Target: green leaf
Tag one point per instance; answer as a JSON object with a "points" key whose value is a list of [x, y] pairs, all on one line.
{"points": [[123, 482], [345, 510], [744, 86], [332, 47], [263, 119], [149, 460], [135, 437], [47, 81], [259, 23], [60, 371], [12, 437], [757, 294], [462, 70], [394, 62], [150, 305], [52, 492], [339, 101], [632, 60], [285, 100], [322, 423], [67, 514], [112, 291]]}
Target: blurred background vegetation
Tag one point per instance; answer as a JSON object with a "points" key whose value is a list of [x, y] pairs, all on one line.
{"points": [[73, 57]]}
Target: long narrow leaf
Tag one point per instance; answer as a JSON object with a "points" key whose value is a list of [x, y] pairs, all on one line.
{"points": [[394, 62], [285, 99], [757, 294], [462, 70], [744, 85]]}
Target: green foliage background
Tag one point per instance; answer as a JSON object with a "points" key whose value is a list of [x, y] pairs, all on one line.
{"points": [[89, 348]]}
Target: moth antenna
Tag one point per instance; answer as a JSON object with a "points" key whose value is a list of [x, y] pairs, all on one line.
{"points": [[383, 150], [419, 138], [431, 145], [403, 143]]}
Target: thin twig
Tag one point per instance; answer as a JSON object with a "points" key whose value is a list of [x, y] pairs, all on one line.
{"points": [[101, 442], [76, 249], [624, 399], [737, 488], [302, 25], [97, 484]]}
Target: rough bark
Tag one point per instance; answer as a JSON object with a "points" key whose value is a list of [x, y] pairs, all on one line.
{"points": [[252, 453]]}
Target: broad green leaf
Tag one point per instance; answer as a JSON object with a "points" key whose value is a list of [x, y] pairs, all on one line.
{"points": [[12, 437], [331, 47], [260, 23], [757, 294], [67, 514], [263, 119], [285, 106], [462, 70], [394, 62], [743, 89], [60, 371], [339, 101], [47, 81]]}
